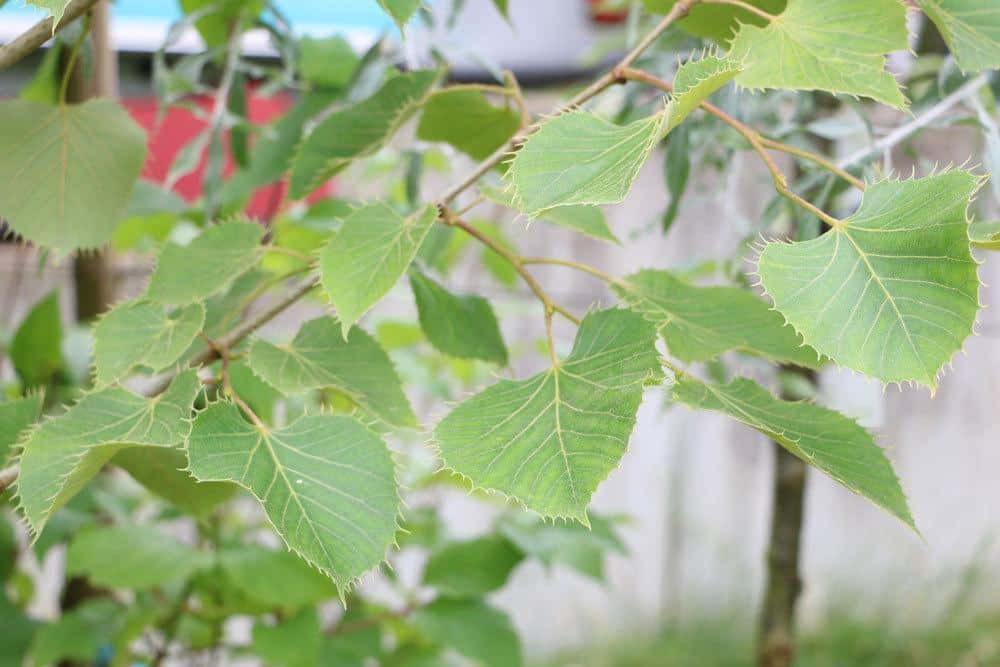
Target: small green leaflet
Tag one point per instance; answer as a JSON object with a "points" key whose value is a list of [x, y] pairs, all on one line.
{"points": [[358, 131], [163, 472], [502, 7], [700, 323], [63, 453], [550, 440], [319, 357], [716, 22], [400, 10], [473, 629], [473, 568], [893, 292], [589, 220], [971, 28], [143, 333], [459, 326], [139, 557], [580, 158], [370, 253], [327, 63], [275, 578], [67, 172], [465, 119], [838, 46], [36, 350], [207, 265], [985, 235], [15, 416], [821, 437], [326, 483]]}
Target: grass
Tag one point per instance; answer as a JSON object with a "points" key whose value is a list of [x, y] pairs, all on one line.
{"points": [[841, 642]]}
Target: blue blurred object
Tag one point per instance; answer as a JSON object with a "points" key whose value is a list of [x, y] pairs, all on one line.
{"points": [[140, 24]]}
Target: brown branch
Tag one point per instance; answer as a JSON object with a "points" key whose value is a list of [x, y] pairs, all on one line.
{"points": [[31, 39], [610, 78]]}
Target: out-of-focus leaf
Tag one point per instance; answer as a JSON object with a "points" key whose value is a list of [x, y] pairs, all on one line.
{"points": [[36, 350], [472, 568]]}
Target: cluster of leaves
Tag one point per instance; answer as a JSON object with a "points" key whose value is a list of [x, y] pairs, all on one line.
{"points": [[199, 407]]}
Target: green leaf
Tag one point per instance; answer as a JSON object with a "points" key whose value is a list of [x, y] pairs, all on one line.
{"points": [[207, 265], [716, 22], [589, 220], [15, 417], [278, 579], [141, 333], [971, 28], [36, 350], [893, 292], [473, 568], [985, 235], [465, 119], [319, 357], [138, 557], [837, 46], [400, 10], [78, 635], [677, 167], [577, 546], [369, 254], [473, 629], [327, 63], [459, 326], [548, 441], [821, 437], [502, 7], [293, 642], [18, 631], [67, 172], [327, 483], [54, 8], [163, 472], [580, 158], [700, 323], [273, 152], [358, 131], [61, 454]]}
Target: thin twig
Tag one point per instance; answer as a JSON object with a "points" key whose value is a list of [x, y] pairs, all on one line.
{"points": [[613, 76], [753, 138], [34, 37], [579, 266], [814, 158], [903, 132], [746, 6]]}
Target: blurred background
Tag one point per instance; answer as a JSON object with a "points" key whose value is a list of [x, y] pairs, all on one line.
{"points": [[692, 498]]}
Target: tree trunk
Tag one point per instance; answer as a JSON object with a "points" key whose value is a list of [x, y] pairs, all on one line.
{"points": [[93, 272], [783, 582]]}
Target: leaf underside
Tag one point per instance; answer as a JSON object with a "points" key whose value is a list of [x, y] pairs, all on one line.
{"points": [[320, 358], [821, 437], [143, 333], [357, 131], [893, 293], [326, 483], [580, 158], [548, 441], [63, 453], [207, 265], [837, 46], [368, 256], [700, 323], [971, 28], [67, 172]]}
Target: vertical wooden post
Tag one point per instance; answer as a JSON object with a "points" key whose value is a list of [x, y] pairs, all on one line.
{"points": [[93, 271]]}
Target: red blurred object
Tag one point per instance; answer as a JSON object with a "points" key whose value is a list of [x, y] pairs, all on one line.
{"points": [[602, 11], [179, 127]]}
